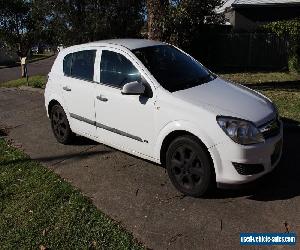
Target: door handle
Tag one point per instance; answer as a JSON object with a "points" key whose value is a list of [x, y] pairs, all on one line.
{"points": [[66, 88], [102, 99]]}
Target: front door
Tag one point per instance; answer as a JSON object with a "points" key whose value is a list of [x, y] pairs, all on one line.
{"points": [[124, 121]]}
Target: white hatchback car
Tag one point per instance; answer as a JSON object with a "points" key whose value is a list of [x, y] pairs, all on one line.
{"points": [[154, 101]]}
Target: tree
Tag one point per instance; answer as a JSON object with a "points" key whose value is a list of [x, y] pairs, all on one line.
{"points": [[14, 23], [180, 21], [25, 23], [157, 9], [21, 26], [290, 29], [78, 21]]}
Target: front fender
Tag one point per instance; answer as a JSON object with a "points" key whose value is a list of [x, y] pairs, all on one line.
{"points": [[181, 125]]}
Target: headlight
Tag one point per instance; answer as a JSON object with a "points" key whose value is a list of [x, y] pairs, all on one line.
{"points": [[240, 131]]}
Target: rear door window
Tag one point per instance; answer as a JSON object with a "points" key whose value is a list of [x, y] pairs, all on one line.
{"points": [[80, 64], [83, 64], [67, 64]]}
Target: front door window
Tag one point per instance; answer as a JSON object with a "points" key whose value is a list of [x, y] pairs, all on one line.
{"points": [[117, 70]]}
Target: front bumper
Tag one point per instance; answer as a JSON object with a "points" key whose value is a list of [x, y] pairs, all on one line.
{"points": [[226, 155]]}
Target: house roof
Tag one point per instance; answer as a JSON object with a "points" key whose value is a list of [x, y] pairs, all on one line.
{"points": [[248, 3], [223, 7], [238, 3]]}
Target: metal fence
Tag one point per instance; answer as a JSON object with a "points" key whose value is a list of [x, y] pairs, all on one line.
{"points": [[246, 51]]}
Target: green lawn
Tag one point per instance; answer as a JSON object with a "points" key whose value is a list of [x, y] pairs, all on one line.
{"points": [[288, 102], [37, 57], [261, 77], [33, 81], [38, 209]]}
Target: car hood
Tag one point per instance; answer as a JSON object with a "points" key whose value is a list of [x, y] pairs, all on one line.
{"points": [[228, 99]]}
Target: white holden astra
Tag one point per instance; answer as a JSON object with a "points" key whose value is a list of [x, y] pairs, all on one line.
{"points": [[154, 101]]}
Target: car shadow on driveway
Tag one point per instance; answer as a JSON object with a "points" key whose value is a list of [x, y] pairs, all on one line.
{"points": [[81, 141], [60, 158], [281, 184]]}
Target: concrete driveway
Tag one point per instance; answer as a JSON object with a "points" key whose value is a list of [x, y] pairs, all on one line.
{"points": [[41, 67], [139, 195]]}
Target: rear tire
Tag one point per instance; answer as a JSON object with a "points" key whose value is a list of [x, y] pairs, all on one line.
{"points": [[60, 125], [189, 166]]}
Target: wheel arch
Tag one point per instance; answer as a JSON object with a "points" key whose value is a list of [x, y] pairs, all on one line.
{"points": [[55, 99], [176, 129], [51, 105], [177, 133], [51, 100]]}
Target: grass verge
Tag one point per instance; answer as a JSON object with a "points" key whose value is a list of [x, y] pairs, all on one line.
{"points": [[261, 77], [40, 210], [287, 101], [33, 81], [38, 57]]}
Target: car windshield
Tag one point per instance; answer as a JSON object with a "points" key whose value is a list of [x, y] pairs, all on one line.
{"points": [[173, 69]]}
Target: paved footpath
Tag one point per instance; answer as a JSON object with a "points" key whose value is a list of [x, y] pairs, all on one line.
{"points": [[41, 67], [139, 195]]}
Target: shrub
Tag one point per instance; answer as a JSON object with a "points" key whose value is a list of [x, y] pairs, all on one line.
{"points": [[291, 30]]}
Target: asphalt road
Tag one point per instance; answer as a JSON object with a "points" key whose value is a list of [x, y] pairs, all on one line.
{"points": [[41, 67], [139, 195]]}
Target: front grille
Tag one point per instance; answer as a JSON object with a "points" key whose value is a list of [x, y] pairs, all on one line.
{"points": [[248, 169], [270, 129]]}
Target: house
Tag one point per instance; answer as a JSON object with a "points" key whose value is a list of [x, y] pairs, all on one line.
{"points": [[246, 15]]}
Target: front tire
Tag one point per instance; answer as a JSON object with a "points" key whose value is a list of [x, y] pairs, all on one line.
{"points": [[60, 125], [189, 166]]}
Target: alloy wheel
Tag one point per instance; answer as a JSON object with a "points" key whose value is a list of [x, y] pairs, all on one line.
{"points": [[187, 167]]}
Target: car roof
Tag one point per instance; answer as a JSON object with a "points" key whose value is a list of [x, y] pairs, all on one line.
{"points": [[130, 44]]}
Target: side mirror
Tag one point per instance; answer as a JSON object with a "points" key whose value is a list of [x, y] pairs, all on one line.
{"points": [[133, 88]]}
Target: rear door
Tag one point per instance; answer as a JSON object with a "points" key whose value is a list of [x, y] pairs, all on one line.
{"points": [[78, 89]]}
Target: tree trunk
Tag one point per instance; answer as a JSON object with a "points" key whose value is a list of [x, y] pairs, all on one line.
{"points": [[156, 10]]}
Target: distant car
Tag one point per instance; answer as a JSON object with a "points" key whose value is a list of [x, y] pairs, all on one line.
{"points": [[154, 101], [34, 50]]}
